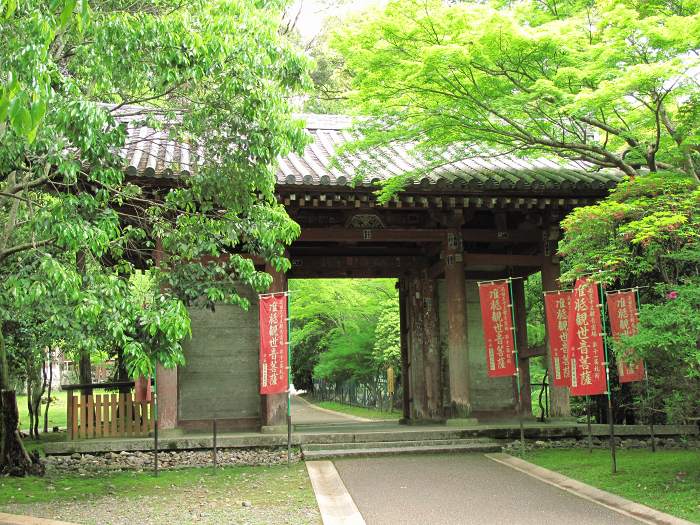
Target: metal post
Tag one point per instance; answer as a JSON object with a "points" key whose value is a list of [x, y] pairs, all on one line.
{"points": [[155, 425], [588, 422], [647, 389], [289, 383], [649, 410], [213, 442], [611, 422], [517, 366]]}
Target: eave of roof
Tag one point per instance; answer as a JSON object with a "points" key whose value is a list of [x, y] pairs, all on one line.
{"points": [[152, 154]]}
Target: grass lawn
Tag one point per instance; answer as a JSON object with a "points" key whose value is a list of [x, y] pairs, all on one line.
{"points": [[369, 413], [274, 494], [57, 412], [668, 480]]}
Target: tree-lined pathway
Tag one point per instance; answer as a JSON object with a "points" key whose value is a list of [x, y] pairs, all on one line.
{"points": [[461, 489], [305, 413]]}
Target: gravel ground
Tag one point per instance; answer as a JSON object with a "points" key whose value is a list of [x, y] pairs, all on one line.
{"points": [[257, 496], [672, 443], [112, 461]]}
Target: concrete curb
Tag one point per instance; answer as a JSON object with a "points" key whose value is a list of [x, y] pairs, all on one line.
{"points": [[334, 501], [606, 499], [327, 411], [16, 519]]}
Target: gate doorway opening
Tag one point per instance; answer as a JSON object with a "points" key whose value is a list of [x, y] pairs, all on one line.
{"points": [[346, 352]]}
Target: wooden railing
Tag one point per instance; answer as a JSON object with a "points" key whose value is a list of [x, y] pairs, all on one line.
{"points": [[107, 415]]}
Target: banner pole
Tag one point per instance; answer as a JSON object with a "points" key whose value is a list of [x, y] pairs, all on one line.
{"points": [[611, 422], [588, 422], [289, 383], [155, 423], [517, 366], [647, 389]]}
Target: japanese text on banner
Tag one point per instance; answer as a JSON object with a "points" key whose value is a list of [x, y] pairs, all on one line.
{"points": [[586, 350], [557, 306], [622, 308], [273, 344], [498, 328]]}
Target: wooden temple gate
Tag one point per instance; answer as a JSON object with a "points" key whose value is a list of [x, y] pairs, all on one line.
{"points": [[484, 218]]}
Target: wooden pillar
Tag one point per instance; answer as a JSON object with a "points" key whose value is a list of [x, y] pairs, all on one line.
{"points": [[273, 407], [559, 396], [431, 349], [166, 378], [405, 361], [423, 348], [415, 349], [166, 392], [521, 336], [457, 349]]}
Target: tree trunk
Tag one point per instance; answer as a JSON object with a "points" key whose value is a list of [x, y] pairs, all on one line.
{"points": [[85, 372], [122, 373], [36, 398], [48, 396], [14, 459]]}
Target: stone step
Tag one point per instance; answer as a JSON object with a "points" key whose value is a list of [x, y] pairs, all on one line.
{"points": [[393, 444], [481, 448]]}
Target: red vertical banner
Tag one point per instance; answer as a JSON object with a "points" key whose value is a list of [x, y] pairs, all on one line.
{"points": [[622, 308], [273, 343], [497, 322], [556, 305], [586, 350]]}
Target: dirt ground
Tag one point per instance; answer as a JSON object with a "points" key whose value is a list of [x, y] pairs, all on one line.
{"points": [[245, 499]]}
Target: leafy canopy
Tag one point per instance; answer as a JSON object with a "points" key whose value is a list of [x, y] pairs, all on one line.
{"points": [[343, 329], [611, 82], [215, 75]]}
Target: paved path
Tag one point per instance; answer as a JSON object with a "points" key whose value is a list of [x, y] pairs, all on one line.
{"points": [[305, 413], [462, 489]]}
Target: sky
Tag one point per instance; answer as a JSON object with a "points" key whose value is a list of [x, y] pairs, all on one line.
{"points": [[314, 12]]}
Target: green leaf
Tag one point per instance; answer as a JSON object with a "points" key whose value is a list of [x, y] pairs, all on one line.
{"points": [[10, 7], [66, 13], [4, 105]]}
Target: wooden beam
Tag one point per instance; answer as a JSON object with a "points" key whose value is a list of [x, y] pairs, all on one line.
{"points": [[437, 270], [492, 259], [306, 266], [485, 235], [371, 235]]}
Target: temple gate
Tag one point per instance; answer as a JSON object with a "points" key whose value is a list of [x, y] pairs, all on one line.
{"points": [[479, 219]]}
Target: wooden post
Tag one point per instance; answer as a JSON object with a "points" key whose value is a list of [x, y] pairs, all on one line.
{"points": [[106, 425], [113, 409], [83, 416], [415, 312], [559, 398], [518, 287], [69, 416], [98, 415], [457, 349], [405, 363], [90, 419], [431, 349]]}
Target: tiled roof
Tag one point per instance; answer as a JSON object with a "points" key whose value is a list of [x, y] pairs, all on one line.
{"points": [[151, 153]]}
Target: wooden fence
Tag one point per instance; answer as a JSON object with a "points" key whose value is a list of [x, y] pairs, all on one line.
{"points": [[108, 415]]}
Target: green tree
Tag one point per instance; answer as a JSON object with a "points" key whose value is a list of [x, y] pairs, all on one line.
{"points": [[334, 323], [387, 337], [608, 84], [647, 233], [215, 75], [611, 83]]}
